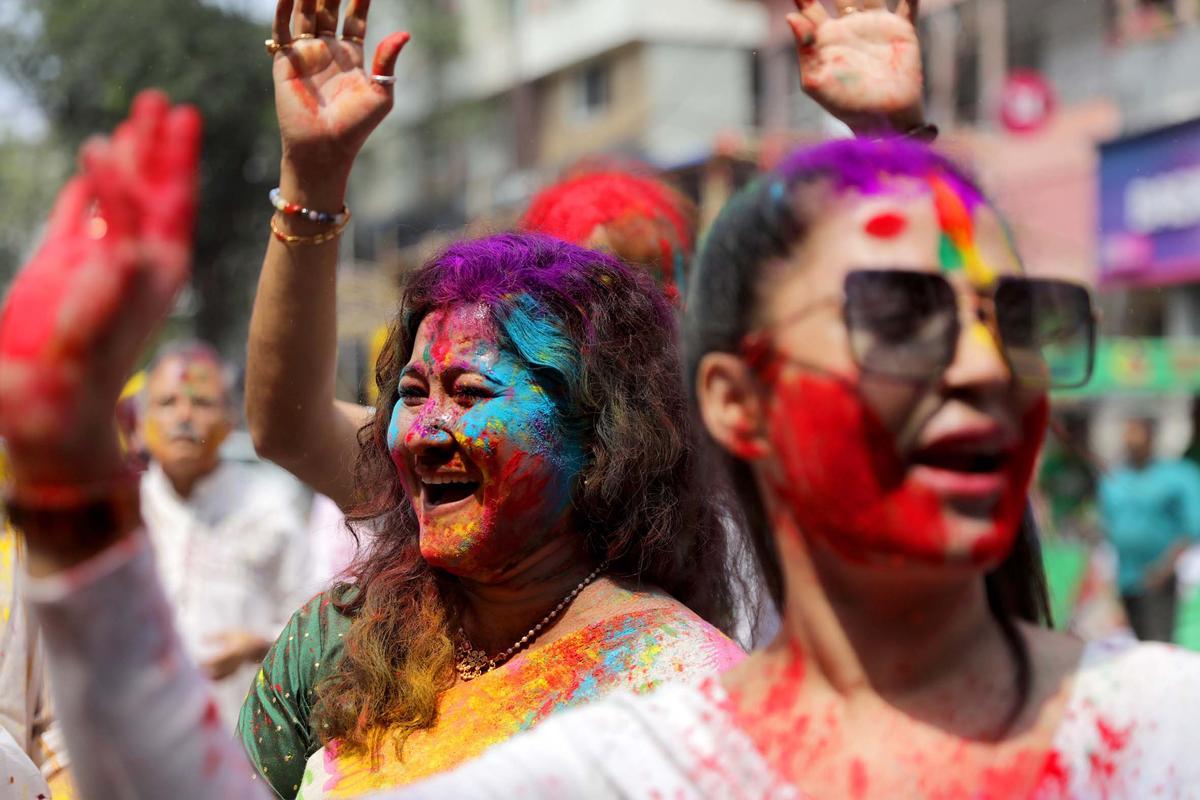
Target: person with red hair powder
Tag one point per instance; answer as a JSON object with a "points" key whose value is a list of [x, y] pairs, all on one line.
{"points": [[641, 220]]}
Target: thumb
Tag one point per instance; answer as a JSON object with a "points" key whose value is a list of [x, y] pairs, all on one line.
{"points": [[387, 53]]}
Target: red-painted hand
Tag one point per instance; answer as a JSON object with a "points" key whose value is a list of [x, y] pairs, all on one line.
{"points": [[325, 99], [864, 67], [116, 251]]}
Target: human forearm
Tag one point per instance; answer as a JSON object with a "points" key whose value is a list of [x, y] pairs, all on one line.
{"points": [[327, 106], [1163, 569], [292, 356]]}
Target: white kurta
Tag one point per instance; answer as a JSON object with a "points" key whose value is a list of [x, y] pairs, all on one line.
{"points": [[232, 556]]}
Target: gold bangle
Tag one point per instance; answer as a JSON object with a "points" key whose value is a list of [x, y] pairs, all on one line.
{"points": [[320, 238]]}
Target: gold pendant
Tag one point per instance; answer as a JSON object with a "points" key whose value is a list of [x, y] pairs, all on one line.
{"points": [[471, 663]]}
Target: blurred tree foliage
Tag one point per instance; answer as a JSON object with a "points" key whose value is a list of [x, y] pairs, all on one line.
{"points": [[84, 60], [30, 173]]}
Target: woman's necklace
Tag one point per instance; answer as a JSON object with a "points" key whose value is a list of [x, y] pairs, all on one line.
{"points": [[472, 663]]}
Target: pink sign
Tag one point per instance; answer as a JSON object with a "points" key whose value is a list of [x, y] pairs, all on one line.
{"points": [[1027, 102]]}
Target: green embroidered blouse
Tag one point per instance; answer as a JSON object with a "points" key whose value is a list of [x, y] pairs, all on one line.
{"points": [[274, 726]]}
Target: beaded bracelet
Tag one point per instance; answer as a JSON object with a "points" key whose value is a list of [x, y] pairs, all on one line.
{"points": [[320, 238], [320, 217]]}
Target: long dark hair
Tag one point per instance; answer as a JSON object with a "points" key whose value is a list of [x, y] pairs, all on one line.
{"points": [[763, 224], [613, 370]]}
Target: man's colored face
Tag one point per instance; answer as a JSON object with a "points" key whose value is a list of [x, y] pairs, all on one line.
{"points": [[187, 415]]}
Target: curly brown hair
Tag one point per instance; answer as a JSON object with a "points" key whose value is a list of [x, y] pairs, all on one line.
{"points": [[614, 370]]}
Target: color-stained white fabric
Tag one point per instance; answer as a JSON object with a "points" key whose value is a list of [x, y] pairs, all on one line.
{"points": [[26, 714], [1128, 733], [139, 715], [233, 556], [20, 779]]}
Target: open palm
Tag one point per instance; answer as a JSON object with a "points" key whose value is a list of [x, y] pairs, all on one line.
{"points": [[866, 62], [116, 252], [326, 100]]}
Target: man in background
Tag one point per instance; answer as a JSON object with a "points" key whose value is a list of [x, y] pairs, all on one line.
{"points": [[1151, 513], [230, 541]]}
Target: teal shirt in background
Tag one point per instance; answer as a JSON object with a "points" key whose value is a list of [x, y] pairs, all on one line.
{"points": [[1147, 511]]}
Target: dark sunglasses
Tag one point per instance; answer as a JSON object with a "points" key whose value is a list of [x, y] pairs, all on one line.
{"points": [[907, 324]]}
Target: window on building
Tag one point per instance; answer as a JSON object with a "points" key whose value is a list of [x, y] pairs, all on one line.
{"points": [[757, 88], [594, 90], [1135, 312], [966, 84], [364, 243]]}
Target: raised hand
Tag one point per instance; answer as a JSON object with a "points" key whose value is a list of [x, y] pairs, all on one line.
{"points": [[116, 251], [327, 102], [863, 65]]}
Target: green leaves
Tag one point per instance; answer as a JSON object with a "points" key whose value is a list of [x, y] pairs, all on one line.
{"points": [[84, 61]]}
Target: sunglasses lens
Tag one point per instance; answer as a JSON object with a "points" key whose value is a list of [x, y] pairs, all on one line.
{"points": [[1048, 331], [902, 324]]}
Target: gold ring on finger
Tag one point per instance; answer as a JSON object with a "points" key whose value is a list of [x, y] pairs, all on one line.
{"points": [[848, 10], [274, 47], [354, 39], [305, 36]]}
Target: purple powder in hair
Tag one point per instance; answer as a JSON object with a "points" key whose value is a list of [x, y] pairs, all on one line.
{"points": [[538, 274], [869, 166]]}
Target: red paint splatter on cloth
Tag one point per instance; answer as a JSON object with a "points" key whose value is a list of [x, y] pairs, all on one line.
{"points": [[1103, 760], [1056, 775]]}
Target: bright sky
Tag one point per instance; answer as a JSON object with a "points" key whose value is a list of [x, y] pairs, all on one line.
{"points": [[262, 9]]}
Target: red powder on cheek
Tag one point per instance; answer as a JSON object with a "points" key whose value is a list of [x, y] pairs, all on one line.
{"points": [[888, 225], [843, 479]]}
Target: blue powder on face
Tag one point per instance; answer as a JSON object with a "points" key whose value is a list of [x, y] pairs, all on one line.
{"points": [[537, 366]]}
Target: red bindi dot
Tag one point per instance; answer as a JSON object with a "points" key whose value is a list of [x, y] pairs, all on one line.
{"points": [[887, 225]]}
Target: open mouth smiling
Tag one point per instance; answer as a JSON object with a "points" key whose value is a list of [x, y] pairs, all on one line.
{"points": [[444, 490], [965, 466]]}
